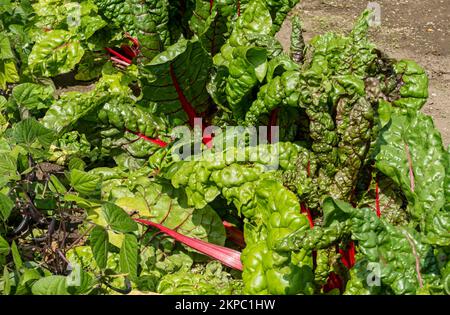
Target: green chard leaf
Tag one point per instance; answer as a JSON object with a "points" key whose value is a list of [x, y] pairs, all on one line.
{"points": [[411, 153], [57, 52], [174, 90]]}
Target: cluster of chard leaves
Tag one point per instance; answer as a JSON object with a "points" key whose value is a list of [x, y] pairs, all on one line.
{"points": [[353, 198]]}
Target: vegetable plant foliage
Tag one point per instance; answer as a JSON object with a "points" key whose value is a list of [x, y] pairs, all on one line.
{"points": [[98, 194]]}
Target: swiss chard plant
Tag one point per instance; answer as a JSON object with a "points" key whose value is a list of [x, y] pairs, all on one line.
{"points": [[100, 195]]}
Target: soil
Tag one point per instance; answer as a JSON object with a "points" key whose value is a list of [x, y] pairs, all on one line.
{"points": [[410, 29]]}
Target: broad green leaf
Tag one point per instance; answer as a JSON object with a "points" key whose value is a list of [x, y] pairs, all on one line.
{"points": [[335, 210], [151, 19], [85, 183], [32, 96], [68, 110], [414, 85], [173, 85], [76, 164], [3, 102], [168, 206], [90, 67], [384, 112], [4, 247], [129, 256], [72, 106], [56, 186], [279, 9], [248, 66], [57, 52], [85, 203], [96, 215], [30, 275], [6, 282], [447, 181], [90, 25], [411, 153], [99, 242], [16, 256], [255, 21], [28, 131], [437, 229], [53, 13], [6, 205], [52, 285], [118, 13], [8, 168], [211, 25], [5, 48], [118, 219], [8, 73]]}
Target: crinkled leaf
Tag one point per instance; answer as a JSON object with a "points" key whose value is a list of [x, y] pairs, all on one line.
{"points": [[168, 206], [175, 88], [272, 212], [68, 110], [298, 46], [211, 22], [412, 155], [73, 106], [151, 20], [117, 11], [89, 25], [413, 92], [32, 96], [398, 253], [57, 52], [447, 180], [90, 67]]}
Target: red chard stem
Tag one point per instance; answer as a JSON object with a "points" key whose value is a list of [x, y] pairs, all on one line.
{"points": [[226, 256], [115, 53], [377, 199], [156, 141]]}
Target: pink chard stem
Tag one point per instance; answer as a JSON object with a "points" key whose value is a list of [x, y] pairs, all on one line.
{"points": [[156, 141], [226, 256]]}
